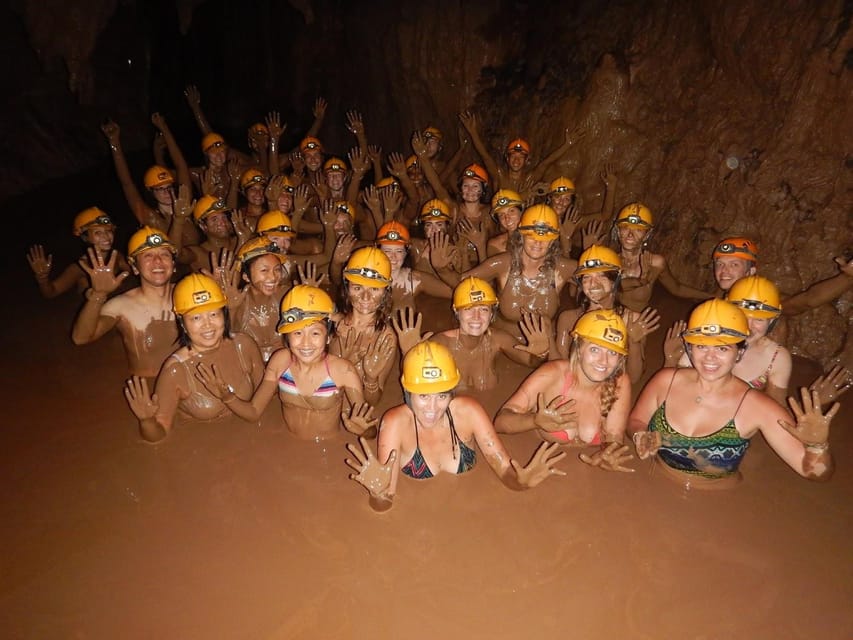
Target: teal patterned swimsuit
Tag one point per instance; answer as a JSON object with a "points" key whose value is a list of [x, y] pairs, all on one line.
{"points": [[716, 455]]}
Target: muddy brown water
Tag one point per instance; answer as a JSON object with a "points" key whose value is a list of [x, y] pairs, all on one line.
{"points": [[236, 530]]}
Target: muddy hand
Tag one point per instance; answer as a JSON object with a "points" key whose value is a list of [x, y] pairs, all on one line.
{"points": [[537, 333], [142, 403], [644, 324], [307, 273], [540, 466], [673, 345], [378, 354], [38, 262], [610, 458], [832, 385], [209, 376], [646, 443], [369, 473], [556, 415], [812, 428], [102, 274], [361, 420]]}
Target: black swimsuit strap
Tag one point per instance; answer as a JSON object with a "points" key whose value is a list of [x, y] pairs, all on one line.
{"points": [[742, 398], [669, 388], [454, 439]]}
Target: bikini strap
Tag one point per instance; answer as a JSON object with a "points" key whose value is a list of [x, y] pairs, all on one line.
{"points": [[669, 388], [326, 362], [772, 360], [454, 438], [742, 398]]}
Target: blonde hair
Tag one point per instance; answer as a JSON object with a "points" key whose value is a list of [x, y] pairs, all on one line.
{"points": [[607, 390]]}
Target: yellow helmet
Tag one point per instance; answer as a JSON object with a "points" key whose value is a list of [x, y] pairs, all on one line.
{"points": [[334, 164], [309, 143], [505, 198], [276, 223], [433, 132], [207, 205], [257, 247], [540, 222], [259, 129], [473, 292], [434, 210], [477, 172], [211, 141], [346, 207], [412, 160], [429, 367], [519, 144], [91, 217], [158, 176], [197, 293], [393, 233], [561, 185], [635, 215], [716, 322], [605, 328], [757, 296], [252, 177], [387, 182], [369, 267], [737, 247], [597, 259], [304, 305], [147, 238]]}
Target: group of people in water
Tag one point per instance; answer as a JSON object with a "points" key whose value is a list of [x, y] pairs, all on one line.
{"points": [[301, 273]]}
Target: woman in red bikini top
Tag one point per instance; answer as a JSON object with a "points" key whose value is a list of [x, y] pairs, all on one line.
{"points": [[435, 431], [582, 401]]}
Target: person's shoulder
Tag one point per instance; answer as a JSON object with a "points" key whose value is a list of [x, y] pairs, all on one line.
{"points": [[339, 366], [467, 409], [245, 343], [174, 365], [117, 305]]}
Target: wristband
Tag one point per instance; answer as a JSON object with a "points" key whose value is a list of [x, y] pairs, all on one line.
{"points": [[98, 297], [817, 447]]}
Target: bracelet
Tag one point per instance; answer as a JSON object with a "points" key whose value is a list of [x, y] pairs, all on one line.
{"points": [[98, 297], [43, 277], [544, 354], [817, 447], [371, 386]]}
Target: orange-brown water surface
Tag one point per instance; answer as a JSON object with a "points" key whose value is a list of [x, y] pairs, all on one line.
{"points": [[235, 530]]}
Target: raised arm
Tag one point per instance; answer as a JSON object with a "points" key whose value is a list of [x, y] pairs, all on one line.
{"points": [[821, 292], [420, 149], [469, 121], [141, 211], [175, 153], [91, 323], [193, 97]]}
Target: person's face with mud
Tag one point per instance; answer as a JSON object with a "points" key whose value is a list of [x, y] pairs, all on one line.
{"points": [[535, 249], [343, 223], [475, 321], [206, 329], [472, 190], [255, 195], [217, 225], [101, 237], [429, 408], [509, 217], [164, 195], [597, 363], [335, 180], [313, 159], [758, 327], [285, 202], [308, 344], [560, 202], [433, 146], [516, 160], [599, 288], [396, 255], [631, 237], [155, 266], [434, 227], [216, 156], [365, 300], [265, 274]]}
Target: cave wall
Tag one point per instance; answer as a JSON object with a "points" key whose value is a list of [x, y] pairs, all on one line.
{"points": [[725, 118]]}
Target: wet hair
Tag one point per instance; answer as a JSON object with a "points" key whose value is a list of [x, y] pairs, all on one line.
{"points": [[383, 313], [515, 245], [184, 339], [608, 390]]}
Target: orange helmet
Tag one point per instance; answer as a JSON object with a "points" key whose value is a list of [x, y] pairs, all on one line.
{"points": [[519, 144], [393, 233], [309, 143], [477, 172], [276, 223], [434, 210], [335, 164], [737, 247], [89, 218], [433, 132]]}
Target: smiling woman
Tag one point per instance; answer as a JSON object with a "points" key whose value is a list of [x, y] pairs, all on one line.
{"points": [[205, 339]]}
